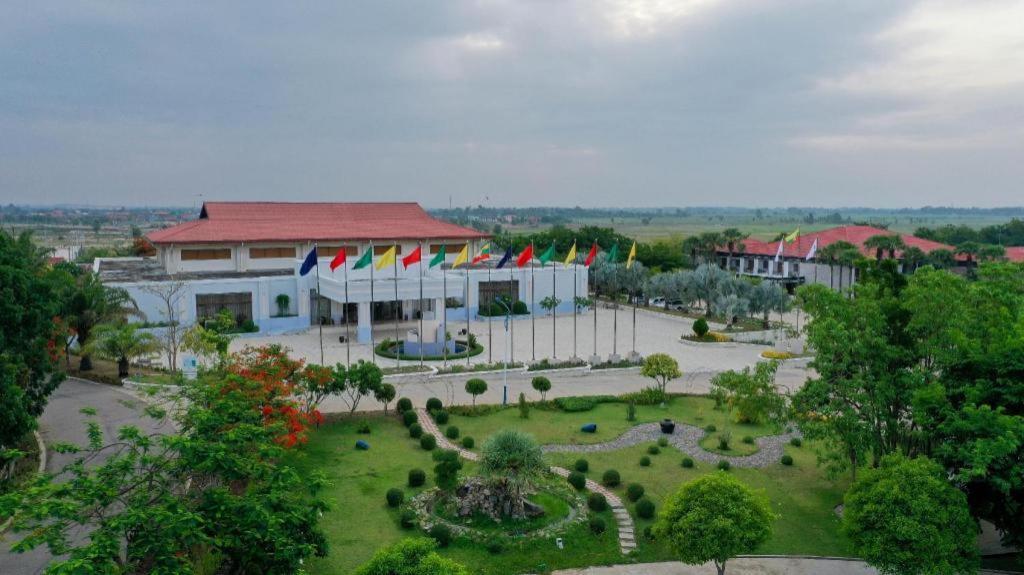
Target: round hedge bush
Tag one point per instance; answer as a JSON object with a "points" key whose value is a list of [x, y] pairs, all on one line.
{"points": [[597, 502], [648, 533], [442, 534], [611, 478], [724, 465], [415, 431], [417, 477], [452, 432], [440, 416], [787, 459], [409, 418], [748, 439], [688, 462], [404, 404], [495, 547], [428, 442], [663, 442], [645, 461], [634, 491], [582, 465], [394, 497], [407, 519], [577, 480], [468, 442], [710, 428], [654, 450], [796, 442], [434, 403], [645, 508], [597, 525]]}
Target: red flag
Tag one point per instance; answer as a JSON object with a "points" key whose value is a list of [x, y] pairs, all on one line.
{"points": [[525, 256], [339, 259], [412, 258], [591, 255]]}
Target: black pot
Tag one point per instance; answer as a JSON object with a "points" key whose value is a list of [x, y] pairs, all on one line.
{"points": [[667, 426]]}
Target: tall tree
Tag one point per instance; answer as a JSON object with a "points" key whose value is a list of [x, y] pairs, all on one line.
{"points": [[121, 343], [171, 295], [94, 303]]}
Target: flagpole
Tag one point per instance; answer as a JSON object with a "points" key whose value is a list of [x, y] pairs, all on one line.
{"points": [[490, 336], [444, 314], [398, 305], [554, 309], [466, 303], [373, 344], [594, 305], [348, 337], [575, 281], [533, 308], [511, 317], [634, 323], [319, 320], [421, 305]]}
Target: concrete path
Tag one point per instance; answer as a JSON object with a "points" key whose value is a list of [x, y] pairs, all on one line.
{"points": [[62, 421]]}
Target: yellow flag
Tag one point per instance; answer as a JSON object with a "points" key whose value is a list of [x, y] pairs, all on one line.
{"points": [[571, 258], [632, 256], [388, 259], [462, 258], [793, 236]]}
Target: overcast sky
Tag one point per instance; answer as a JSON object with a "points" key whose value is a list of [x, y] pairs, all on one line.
{"points": [[587, 102]]}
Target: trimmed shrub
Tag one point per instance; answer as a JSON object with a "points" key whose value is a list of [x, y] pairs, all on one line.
{"points": [[645, 461], [434, 404], [468, 442], [577, 480], [428, 442], [597, 502], [524, 407], [582, 465], [653, 450], [407, 519], [634, 491], [442, 534], [394, 497], [582, 403], [409, 418], [724, 465], [597, 525], [452, 432], [688, 462], [796, 442], [748, 439], [787, 459], [662, 442], [648, 533], [417, 477], [611, 478], [404, 404], [631, 411], [363, 428], [700, 327], [440, 416], [494, 547], [723, 440], [645, 508], [415, 431], [710, 428]]}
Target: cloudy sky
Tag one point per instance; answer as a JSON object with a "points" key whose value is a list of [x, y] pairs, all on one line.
{"points": [[588, 102]]}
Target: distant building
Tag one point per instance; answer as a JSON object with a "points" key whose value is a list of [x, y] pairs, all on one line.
{"points": [[757, 258], [241, 256]]}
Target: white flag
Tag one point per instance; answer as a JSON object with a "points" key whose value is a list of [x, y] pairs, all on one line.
{"points": [[778, 254], [814, 250]]}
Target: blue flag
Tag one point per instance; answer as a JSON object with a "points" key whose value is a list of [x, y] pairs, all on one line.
{"points": [[309, 263], [505, 258]]}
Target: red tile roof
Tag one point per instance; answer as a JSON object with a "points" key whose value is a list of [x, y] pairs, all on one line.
{"points": [[856, 235], [233, 222], [1015, 254]]}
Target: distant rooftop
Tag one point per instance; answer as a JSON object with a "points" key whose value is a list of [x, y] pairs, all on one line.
{"points": [[855, 235], [130, 270]]}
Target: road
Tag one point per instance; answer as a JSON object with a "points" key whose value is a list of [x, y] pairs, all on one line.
{"points": [[63, 421]]}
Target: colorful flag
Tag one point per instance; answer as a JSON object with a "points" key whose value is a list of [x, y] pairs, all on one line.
{"points": [[613, 254], [387, 259], [793, 236], [438, 257], [547, 255], [365, 260], [525, 256], [632, 256], [591, 255], [462, 258], [339, 259], [504, 259], [778, 254], [813, 251], [309, 263], [485, 253], [412, 258], [571, 258]]}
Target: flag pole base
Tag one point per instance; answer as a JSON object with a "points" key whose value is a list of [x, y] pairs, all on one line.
{"points": [[595, 359], [614, 358], [634, 357]]}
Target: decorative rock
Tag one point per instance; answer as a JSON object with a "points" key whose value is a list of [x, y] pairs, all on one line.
{"points": [[667, 426], [589, 428], [362, 445]]}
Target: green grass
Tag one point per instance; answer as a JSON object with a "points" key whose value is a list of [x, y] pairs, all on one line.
{"points": [[736, 446], [157, 378], [561, 427]]}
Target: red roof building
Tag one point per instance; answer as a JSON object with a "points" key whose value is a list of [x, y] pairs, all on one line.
{"points": [[1015, 254], [855, 235], [235, 222]]}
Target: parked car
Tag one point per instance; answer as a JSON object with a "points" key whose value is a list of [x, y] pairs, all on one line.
{"points": [[657, 302], [675, 305]]}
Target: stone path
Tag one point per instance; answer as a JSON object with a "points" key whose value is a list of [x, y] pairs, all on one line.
{"points": [[624, 522], [686, 438]]}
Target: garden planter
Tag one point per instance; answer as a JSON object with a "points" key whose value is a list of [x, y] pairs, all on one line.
{"points": [[667, 426]]}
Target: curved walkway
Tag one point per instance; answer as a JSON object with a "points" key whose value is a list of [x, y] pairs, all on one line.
{"points": [[624, 522], [750, 565], [686, 438]]}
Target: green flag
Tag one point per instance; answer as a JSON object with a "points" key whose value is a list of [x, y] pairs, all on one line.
{"points": [[365, 260], [613, 254], [547, 255], [439, 258]]}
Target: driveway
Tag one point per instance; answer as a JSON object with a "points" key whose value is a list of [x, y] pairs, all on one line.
{"points": [[62, 421]]}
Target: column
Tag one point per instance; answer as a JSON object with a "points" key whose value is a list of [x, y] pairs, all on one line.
{"points": [[363, 325]]}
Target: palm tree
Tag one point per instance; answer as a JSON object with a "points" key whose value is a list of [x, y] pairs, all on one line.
{"points": [[121, 342], [885, 243], [941, 258], [847, 257], [991, 253], [831, 253], [94, 303], [913, 257], [969, 249], [733, 239]]}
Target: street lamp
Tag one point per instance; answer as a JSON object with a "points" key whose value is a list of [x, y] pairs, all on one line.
{"points": [[508, 343]]}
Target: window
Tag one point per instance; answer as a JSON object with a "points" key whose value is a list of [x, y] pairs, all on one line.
{"points": [[239, 304], [331, 251], [449, 249], [490, 290], [267, 253], [206, 254], [380, 250]]}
